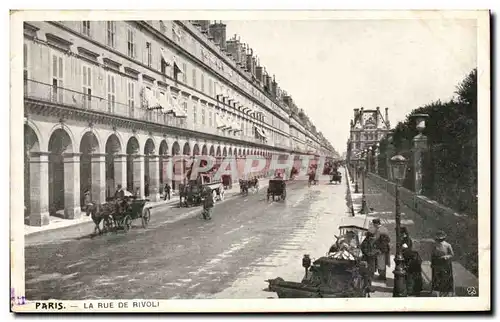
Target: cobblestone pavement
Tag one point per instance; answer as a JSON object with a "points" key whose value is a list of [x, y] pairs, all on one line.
{"points": [[248, 241]]}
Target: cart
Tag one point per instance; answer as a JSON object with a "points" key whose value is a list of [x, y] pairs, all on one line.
{"points": [[277, 187]]}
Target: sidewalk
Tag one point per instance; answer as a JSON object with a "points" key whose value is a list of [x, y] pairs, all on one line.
{"points": [[59, 223], [382, 205]]}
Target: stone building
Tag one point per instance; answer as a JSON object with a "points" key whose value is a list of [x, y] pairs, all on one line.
{"points": [[110, 102], [366, 129]]}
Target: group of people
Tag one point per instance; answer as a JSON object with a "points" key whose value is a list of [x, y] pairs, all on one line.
{"points": [[376, 252]]}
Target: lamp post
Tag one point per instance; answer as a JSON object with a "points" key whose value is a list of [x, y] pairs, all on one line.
{"points": [[364, 208], [369, 159], [356, 186], [398, 168]]}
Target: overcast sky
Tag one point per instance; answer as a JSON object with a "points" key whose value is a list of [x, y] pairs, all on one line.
{"points": [[331, 67]]}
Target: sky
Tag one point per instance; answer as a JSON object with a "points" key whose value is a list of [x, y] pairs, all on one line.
{"points": [[331, 67]]}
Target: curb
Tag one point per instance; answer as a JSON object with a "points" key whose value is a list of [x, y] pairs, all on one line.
{"points": [[349, 197]]}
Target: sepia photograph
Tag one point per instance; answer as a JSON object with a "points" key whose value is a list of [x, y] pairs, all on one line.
{"points": [[173, 163]]}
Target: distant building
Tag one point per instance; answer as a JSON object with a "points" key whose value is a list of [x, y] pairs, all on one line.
{"points": [[366, 128]]}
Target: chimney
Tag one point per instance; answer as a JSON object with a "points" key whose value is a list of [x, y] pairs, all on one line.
{"points": [[259, 74], [250, 62], [377, 117], [274, 86], [361, 117], [232, 48], [218, 32]]}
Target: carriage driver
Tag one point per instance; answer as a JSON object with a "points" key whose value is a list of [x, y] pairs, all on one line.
{"points": [[121, 203]]}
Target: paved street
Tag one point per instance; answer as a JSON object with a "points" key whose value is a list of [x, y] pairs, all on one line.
{"points": [[248, 241]]}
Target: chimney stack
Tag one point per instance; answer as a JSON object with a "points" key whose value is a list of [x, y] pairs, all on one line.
{"points": [[361, 116], [218, 32], [377, 117], [387, 117]]}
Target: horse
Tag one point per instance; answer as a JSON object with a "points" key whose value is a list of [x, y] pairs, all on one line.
{"points": [[102, 212]]}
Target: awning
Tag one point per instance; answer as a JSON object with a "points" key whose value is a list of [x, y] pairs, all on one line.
{"points": [[176, 65], [151, 99], [221, 124], [167, 108], [259, 131], [179, 112], [164, 56]]}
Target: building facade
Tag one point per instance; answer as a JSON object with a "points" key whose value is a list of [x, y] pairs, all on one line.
{"points": [[110, 102], [366, 129]]}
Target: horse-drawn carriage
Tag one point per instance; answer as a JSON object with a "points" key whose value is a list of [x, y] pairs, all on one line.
{"points": [[191, 194], [277, 187], [339, 274], [118, 214], [336, 176], [246, 185]]}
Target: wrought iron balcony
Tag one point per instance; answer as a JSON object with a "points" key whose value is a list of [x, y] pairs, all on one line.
{"points": [[60, 95]]}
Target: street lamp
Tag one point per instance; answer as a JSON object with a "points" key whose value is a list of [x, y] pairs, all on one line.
{"points": [[364, 208], [356, 174], [398, 169]]}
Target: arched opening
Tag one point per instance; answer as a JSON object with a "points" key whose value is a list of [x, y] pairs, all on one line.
{"points": [[31, 144], [163, 152], [196, 150], [132, 151], [186, 150], [113, 147], [204, 150], [218, 152], [230, 152], [59, 143], [149, 149], [212, 151], [89, 172], [239, 152], [224, 152]]}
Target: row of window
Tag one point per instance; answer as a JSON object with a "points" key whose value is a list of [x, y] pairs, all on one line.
{"points": [[367, 136], [197, 83]]}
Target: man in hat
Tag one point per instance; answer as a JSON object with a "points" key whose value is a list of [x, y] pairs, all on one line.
{"points": [[382, 242], [370, 253], [441, 264]]}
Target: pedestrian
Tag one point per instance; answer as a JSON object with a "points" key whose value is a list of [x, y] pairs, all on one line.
{"points": [[208, 204], [87, 201], [413, 263], [167, 192], [370, 253], [442, 269], [383, 244]]}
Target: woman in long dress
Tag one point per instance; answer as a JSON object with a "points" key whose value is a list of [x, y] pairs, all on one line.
{"points": [[442, 269]]}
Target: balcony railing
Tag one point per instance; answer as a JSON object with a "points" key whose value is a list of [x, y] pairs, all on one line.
{"points": [[46, 92], [49, 93]]}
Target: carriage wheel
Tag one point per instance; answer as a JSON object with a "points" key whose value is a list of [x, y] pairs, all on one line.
{"points": [[214, 195], [221, 196], [127, 223], [108, 224], [146, 216], [283, 195]]}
